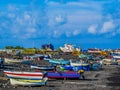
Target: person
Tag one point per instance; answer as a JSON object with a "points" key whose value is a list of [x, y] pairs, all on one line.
{"points": [[81, 72]]}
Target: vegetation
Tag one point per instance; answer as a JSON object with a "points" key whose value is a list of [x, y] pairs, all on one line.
{"points": [[16, 47], [9, 47], [29, 51]]}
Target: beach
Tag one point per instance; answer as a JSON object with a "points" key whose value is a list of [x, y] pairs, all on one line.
{"points": [[106, 79]]}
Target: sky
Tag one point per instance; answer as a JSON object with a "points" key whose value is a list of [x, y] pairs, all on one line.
{"points": [[84, 23]]}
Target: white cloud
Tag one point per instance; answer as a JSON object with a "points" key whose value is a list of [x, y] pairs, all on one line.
{"points": [[76, 32], [68, 34], [12, 7], [108, 26], [27, 16], [59, 18], [31, 30], [11, 15], [92, 29], [56, 33], [55, 19], [51, 3]]}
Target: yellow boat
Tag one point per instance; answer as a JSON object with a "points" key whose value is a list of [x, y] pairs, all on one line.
{"points": [[25, 82]]}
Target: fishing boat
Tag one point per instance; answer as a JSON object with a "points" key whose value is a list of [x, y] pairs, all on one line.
{"points": [[62, 75], [59, 61], [110, 61], [24, 75], [11, 61], [46, 68], [95, 66], [78, 63], [1, 62], [107, 61], [75, 68], [68, 48], [116, 56], [118, 61], [94, 50], [67, 67], [25, 82]]}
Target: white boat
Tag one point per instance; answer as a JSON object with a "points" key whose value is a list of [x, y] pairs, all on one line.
{"points": [[76, 63], [94, 50], [42, 67], [108, 61], [25, 82], [24, 75], [8, 60], [69, 48], [116, 56]]}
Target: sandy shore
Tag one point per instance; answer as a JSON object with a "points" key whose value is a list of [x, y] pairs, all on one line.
{"points": [[106, 79]]}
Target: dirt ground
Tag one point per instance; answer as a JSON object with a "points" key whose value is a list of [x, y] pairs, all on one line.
{"points": [[106, 79]]}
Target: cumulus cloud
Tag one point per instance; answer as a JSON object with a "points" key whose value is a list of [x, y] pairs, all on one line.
{"points": [[111, 17], [76, 32], [56, 33], [92, 29], [108, 26], [23, 20], [59, 19], [55, 18]]}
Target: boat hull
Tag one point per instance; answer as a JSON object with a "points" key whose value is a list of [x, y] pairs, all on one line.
{"points": [[25, 82], [62, 75], [24, 75], [59, 62], [11, 61], [43, 67]]}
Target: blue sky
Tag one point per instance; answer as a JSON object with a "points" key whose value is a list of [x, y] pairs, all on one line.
{"points": [[85, 23]]}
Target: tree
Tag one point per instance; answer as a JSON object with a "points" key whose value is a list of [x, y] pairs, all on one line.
{"points": [[9, 47], [18, 47]]}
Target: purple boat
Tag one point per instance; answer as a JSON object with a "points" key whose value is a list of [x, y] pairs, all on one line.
{"points": [[62, 75]]}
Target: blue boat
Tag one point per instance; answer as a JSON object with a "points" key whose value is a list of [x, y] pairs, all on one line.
{"points": [[62, 75], [68, 67], [59, 62], [85, 68], [95, 66], [46, 68], [76, 68], [1, 63]]}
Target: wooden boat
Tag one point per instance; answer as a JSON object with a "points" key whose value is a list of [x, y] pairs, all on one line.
{"points": [[24, 75], [82, 56], [1, 63], [118, 61], [25, 82], [67, 67], [42, 67], [75, 68], [8, 60], [75, 63], [68, 48], [107, 61], [62, 75], [79, 65], [94, 50], [95, 66], [59, 61], [116, 56]]}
